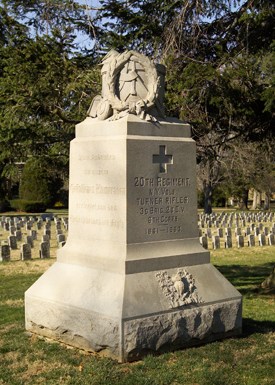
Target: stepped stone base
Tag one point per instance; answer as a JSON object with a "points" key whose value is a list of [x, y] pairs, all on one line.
{"points": [[76, 308]]}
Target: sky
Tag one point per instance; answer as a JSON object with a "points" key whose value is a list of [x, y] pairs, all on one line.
{"points": [[82, 39]]}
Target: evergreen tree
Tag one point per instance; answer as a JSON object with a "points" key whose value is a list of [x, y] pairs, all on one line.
{"points": [[220, 79], [46, 85], [219, 56]]}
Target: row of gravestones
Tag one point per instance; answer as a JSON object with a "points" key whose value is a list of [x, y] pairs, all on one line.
{"points": [[262, 240], [234, 219], [255, 233], [15, 224], [253, 228]]}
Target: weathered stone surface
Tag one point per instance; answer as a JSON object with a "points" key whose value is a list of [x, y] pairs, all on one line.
{"points": [[63, 308], [83, 329], [181, 328]]}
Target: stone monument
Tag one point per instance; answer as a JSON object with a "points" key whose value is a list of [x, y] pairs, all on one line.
{"points": [[132, 277]]}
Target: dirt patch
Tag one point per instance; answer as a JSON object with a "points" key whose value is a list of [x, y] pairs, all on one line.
{"points": [[13, 302]]}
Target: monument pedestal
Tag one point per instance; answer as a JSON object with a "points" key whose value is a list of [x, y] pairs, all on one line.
{"points": [[133, 277]]}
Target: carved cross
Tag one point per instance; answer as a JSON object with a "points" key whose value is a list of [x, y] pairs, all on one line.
{"points": [[162, 159]]}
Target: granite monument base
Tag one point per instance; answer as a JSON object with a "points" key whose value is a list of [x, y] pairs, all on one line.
{"points": [[127, 316]]}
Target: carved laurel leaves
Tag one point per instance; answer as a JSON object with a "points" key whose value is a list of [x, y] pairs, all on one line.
{"points": [[115, 67]]}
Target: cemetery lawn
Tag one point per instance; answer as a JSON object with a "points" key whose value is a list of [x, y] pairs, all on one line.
{"points": [[247, 360]]}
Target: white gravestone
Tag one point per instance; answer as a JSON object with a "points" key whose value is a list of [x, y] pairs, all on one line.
{"points": [[132, 277]]}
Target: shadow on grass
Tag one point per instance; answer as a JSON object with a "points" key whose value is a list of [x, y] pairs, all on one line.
{"points": [[251, 326], [246, 279]]}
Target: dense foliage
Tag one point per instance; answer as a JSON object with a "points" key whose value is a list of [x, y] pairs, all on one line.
{"points": [[219, 56], [39, 182], [46, 84]]}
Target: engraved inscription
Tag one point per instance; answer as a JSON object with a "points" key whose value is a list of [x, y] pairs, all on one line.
{"points": [[161, 182], [162, 204], [95, 172], [96, 207], [96, 189], [95, 202], [96, 157], [117, 223]]}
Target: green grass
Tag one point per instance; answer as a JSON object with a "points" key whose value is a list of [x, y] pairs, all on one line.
{"points": [[247, 360]]}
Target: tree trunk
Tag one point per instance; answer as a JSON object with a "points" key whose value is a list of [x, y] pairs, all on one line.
{"points": [[256, 200], [267, 201], [268, 284], [208, 195], [243, 203]]}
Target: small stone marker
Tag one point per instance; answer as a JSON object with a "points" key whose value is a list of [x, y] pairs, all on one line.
{"points": [[61, 238], [39, 225], [28, 226], [238, 231], [247, 231], [240, 241], [45, 238], [47, 231], [58, 225], [33, 234], [204, 242], [29, 240], [270, 239], [18, 235], [4, 253], [209, 233], [266, 230], [12, 230], [220, 232], [262, 240], [216, 242], [44, 250], [228, 241], [26, 252], [12, 242], [251, 240], [228, 231]]}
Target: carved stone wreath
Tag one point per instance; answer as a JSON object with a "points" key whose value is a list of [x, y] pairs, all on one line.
{"points": [[115, 68], [180, 289]]}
